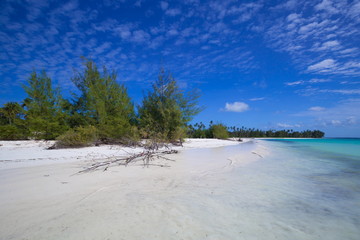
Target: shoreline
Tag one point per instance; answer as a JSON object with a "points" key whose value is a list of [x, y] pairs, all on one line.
{"points": [[252, 190], [15, 154]]}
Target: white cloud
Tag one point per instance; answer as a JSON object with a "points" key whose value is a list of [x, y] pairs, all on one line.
{"points": [[329, 66], [328, 34], [140, 36], [173, 12], [311, 81], [100, 49], [172, 32], [354, 10], [335, 122], [187, 32], [323, 65], [257, 99], [236, 107], [350, 82], [164, 5], [156, 42], [124, 31], [349, 121], [344, 113], [342, 91], [244, 12], [69, 6], [326, 5], [295, 83], [317, 109], [291, 4], [319, 80], [293, 17], [285, 125], [331, 44]]}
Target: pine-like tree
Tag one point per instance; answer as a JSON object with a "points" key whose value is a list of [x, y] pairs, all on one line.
{"points": [[104, 102], [43, 115], [166, 109]]}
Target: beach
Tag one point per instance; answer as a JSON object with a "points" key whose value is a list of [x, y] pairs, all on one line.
{"points": [[42, 197], [213, 189]]}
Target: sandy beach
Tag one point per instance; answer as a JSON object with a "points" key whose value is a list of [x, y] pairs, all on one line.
{"points": [[211, 189], [42, 197]]}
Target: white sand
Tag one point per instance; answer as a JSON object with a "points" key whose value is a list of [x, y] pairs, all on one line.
{"points": [[41, 198], [15, 154]]}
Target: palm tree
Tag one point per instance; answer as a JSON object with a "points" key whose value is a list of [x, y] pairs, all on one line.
{"points": [[11, 111]]}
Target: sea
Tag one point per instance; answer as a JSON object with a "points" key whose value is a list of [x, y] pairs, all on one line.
{"points": [[300, 189], [307, 188]]}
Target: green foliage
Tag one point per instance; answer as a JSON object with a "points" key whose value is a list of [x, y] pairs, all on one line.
{"points": [[42, 99], [11, 111], [12, 132], [42, 128], [166, 109], [118, 129], [200, 131], [78, 137], [44, 114], [179, 134], [103, 102], [219, 131], [12, 126], [3, 119]]}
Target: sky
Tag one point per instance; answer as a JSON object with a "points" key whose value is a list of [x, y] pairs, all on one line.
{"points": [[266, 64]]}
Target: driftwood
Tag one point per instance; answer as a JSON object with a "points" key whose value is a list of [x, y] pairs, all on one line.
{"points": [[146, 156]]}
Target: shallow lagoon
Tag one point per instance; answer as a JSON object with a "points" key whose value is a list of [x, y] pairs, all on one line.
{"points": [[297, 191]]}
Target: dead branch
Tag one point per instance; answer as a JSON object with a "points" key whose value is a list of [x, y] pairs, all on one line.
{"points": [[146, 156]]}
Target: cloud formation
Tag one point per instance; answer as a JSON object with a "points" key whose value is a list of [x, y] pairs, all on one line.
{"points": [[316, 109], [345, 113], [286, 125], [236, 107]]}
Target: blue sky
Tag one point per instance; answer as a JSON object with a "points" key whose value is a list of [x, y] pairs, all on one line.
{"points": [[264, 64]]}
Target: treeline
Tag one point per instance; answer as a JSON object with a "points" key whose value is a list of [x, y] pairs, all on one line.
{"points": [[101, 112], [199, 130]]}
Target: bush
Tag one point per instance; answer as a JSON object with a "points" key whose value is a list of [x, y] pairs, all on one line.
{"points": [[220, 131], [47, 129], [12, 132], [78, 137], [178, 135]]}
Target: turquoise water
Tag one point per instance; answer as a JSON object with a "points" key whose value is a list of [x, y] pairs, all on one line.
{"points": [[303, 189], [348, 147], [314, 184]]}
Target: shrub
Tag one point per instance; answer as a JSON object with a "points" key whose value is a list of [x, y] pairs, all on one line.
{"points": [[12, 132], [47, 129], [78, 137], [220, 131], [178, 135]]}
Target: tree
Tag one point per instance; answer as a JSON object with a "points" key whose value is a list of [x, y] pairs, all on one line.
{"points": [[104, 102], [220, 131], [318, 134], [11, 111], [12, 122], [43, 107], [166, 110]]}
